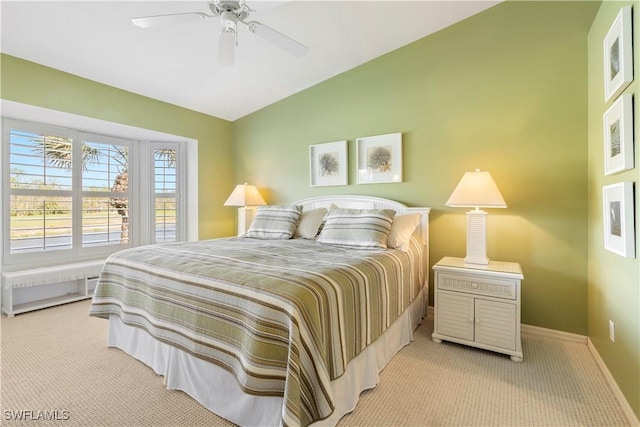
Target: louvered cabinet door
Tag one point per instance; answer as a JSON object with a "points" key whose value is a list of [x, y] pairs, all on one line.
{"points": [[495, 324], [455, 316], [478, 305]]}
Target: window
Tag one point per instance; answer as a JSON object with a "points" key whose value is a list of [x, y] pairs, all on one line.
{"points": [[77, 195], [105, 193], [40, 187], [165, 192]]}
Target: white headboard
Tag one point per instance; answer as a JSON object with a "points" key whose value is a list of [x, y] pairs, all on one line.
{"points": [[369, 202]]}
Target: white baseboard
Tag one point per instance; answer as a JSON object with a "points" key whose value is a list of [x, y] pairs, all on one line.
{"points": [[567, 336], [552, 333], [631, 416]]}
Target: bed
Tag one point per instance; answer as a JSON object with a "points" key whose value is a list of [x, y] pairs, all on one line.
{"points": [[268, 330]]}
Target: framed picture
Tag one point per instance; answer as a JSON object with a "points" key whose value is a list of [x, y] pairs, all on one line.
{"points": [[379, 158], [618, 136], [328, 164], [618, 55], [619, 232]]}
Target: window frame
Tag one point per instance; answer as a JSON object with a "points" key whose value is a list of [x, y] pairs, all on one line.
{"points": [[181, 231], [29, 258], [132, 195], [140, 196]]}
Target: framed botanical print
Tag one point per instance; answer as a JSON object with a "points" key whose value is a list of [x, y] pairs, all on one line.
{"points": [[379, 158], [328, 164], [618, 55], [618, 136], [619, 232]]}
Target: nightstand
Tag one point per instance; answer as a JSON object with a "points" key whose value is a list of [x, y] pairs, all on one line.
{"points": [[478, 305]]}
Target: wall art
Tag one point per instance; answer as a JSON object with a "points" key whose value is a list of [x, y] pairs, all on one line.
{"points": [[619, 231], [618, 136], [379, 158], [618, 55], [328, 164]]}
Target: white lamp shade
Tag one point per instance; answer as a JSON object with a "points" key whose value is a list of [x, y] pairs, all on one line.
{"points": [[245, 195], [477, 189]]}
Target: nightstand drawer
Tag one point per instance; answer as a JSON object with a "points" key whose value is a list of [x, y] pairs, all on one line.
{"points": [[499, 288]]}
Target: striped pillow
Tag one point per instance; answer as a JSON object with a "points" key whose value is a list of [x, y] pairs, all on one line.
{"points": [[275, 222], [357, 228]]}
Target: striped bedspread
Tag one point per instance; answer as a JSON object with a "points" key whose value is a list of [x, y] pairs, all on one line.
{"points": [[285, 317]]}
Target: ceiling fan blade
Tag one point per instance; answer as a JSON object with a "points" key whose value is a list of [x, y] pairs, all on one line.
{"points": [[277, 38], [176, 18]]}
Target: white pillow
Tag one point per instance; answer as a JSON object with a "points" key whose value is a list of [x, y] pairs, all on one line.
{"points": [[310, 222], [401, 230], [324, 220]]}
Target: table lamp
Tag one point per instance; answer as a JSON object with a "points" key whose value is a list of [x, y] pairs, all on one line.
{"points": [[477, 190], [245, 196]]}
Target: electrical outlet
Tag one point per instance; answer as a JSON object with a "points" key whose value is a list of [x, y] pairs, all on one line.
{"points": [[612, 331]]}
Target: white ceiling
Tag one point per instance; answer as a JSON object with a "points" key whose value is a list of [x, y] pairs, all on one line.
{"points": [[178, 63]]}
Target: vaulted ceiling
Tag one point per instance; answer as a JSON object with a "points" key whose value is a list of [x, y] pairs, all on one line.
{"points": [[178, 63]]}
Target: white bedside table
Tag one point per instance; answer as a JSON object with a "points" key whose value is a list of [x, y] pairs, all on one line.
{"points": [[478, 305]]}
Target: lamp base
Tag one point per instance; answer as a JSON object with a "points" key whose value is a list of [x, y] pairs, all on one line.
{"points": [[245, 217], [476, 238], [478, 261]]}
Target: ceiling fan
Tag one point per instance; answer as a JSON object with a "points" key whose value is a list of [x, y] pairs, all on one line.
{"points": [[230, 12]]}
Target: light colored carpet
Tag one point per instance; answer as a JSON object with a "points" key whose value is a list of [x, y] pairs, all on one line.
{"points": [[57, 359]]}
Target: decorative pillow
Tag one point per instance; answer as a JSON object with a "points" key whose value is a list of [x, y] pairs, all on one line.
{"points": [[275, 222], [357, 228], [310, 222], [401, 230], [333, 206]]}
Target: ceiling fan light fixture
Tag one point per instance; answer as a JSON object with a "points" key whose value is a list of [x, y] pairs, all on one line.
{"points": [[226, 46], [228, 20]]}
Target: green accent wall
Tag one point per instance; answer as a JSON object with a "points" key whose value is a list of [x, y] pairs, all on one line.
{"points": [[30, 83], [503, 91], [614, 281]]}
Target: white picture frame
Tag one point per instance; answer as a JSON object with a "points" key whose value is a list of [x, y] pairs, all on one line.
{"points": [[618, 136], [379, 158], [328, 164], [618, 55], [617, 214]]}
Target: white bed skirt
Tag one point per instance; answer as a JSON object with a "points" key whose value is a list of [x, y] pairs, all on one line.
{"points": [[217, 390]]}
